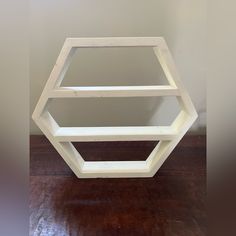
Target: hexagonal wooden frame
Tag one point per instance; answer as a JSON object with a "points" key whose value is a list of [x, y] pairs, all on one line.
{"points": [[61, 137]]}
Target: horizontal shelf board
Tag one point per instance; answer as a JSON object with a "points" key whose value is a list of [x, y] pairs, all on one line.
{"points": [[114, 166], [115, 42], [115, 91], [130, 133]]}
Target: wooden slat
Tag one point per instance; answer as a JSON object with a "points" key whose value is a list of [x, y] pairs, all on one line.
{"points": [[115, 91], [115, 42], [114, 166], [130, 133]]}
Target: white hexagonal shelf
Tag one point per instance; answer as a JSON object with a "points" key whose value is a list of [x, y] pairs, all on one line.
{"points": [[61, 137]]}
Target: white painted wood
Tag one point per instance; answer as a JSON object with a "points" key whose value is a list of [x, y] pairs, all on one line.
{"points": [[114, 42], [115, 91], [61, 137], [131, 133], [114, 166]]}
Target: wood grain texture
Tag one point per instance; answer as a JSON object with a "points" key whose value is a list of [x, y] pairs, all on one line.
{"points": [[115, 91], [171, 203]]}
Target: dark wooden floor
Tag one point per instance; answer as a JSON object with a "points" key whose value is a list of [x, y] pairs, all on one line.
{"points": [[171, 203]]}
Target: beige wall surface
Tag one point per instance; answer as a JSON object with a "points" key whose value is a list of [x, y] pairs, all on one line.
{"points": [[182, 23]]}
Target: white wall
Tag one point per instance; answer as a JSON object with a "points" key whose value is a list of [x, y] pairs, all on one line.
{"points": [[182, 23]]}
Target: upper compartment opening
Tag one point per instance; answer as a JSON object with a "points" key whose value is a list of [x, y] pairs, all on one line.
{"points": [[115, 66]]}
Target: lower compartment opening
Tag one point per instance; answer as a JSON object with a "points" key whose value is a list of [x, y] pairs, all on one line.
{"points": [[115, 151]]}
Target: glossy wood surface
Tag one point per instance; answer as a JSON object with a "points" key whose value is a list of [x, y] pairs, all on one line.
{"points": [[172, 203]]}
